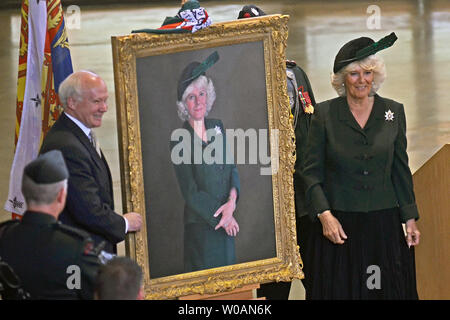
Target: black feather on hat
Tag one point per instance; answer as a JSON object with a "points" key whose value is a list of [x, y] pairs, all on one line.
{"points": [[360, 48], [250, 11], [194, 70]]}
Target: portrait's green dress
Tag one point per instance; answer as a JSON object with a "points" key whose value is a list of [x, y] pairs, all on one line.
{"points": [[205, 188]]}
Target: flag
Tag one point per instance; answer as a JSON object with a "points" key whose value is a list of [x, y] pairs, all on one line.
{"points": [[44, 62]]}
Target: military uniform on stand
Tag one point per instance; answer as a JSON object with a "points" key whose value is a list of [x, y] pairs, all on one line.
{"points": [[302, 108], [302, 102], [52, 260]]}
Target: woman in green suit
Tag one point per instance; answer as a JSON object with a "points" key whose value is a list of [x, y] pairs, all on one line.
{"points": [[210, 186], [359, 186]]}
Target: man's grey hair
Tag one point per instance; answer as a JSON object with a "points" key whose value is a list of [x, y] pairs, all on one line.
{"points": [[72, 87], [373, 63], [200, 82], [38, 194]]}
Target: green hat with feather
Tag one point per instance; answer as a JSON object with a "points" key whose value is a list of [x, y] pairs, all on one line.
{"points": [[194, 70], [359, 49]]}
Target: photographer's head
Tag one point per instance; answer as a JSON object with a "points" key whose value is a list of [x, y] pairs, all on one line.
{"points": [[120, 279]]}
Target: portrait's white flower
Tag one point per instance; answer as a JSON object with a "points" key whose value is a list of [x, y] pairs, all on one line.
{"points": [[389, 115]]}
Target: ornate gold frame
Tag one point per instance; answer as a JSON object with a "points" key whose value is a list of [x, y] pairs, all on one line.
{"points": [[272, 31]]}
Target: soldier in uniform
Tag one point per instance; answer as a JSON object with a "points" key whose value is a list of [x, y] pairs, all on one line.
{"points": [[53, 261]]}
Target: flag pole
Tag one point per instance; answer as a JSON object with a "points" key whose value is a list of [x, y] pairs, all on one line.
{"points": [[44, 62]]}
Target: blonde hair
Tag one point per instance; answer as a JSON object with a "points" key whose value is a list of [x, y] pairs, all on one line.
{"points": [[371, 63], [201, 82]]}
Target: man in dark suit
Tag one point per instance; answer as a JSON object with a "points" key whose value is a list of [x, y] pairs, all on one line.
{"points": [[90, 202], [53, 261]]}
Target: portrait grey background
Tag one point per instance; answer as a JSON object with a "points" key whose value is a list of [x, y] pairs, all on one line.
{"points": [[239, 81]]}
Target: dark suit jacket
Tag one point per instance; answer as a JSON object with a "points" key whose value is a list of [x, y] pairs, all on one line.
{"points": [[41, 251], [90, 202], [352, 169]]}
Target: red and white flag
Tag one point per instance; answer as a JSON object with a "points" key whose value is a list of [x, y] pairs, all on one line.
{"points": [[44, 61]]}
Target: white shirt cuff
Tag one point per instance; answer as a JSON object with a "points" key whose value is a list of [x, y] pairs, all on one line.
{"points": [[126, 225]]}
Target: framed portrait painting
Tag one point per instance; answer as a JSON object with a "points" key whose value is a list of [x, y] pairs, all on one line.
{"points": [[207, 156]]}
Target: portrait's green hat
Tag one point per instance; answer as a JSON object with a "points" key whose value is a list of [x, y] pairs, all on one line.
{"points": [[194, 70], [360, 48]]}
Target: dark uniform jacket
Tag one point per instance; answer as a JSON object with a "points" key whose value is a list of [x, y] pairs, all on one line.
{"points": [[301, 97], [41, 251], [90, 201], [299, 85], [359, 170]]}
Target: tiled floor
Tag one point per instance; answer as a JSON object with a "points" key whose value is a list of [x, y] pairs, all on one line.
{"points": [[418, 65]]}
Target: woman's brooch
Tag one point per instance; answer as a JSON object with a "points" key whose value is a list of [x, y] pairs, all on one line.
{"points": [[389, 115]]}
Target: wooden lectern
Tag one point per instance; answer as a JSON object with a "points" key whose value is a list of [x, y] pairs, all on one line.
{"points": [[432, 189]]}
